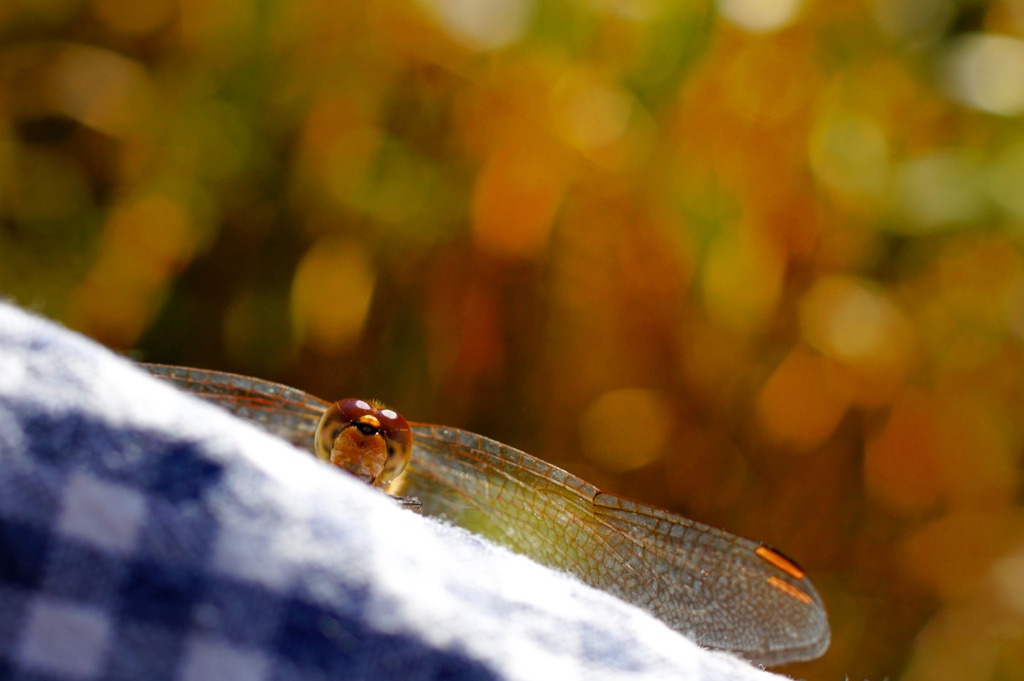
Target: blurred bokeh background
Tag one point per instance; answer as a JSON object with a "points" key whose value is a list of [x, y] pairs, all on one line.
{"points": [[757, 261]]}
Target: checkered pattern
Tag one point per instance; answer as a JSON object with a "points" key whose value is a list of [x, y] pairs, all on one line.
{"points": [[145, 535]]}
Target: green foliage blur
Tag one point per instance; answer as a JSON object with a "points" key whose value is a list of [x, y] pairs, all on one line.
{"points": [[757, 261]]}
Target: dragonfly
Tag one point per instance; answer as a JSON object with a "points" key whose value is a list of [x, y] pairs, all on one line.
{"points": [[718, 589]]}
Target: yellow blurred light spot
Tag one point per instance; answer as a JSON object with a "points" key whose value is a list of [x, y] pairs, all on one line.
{"points": [[601, 120], [116, 301], [953, 554], [132, 17], [516, 196], [799, 404], [347, 156], [331, 294], [760, 16], [742, 279], [483, 24], [330, 117], [340, 141], [941, 190], [146, 240], [113, 306], [101, 89], [1007, 578], [850, 154], [768, 84], [987, 72], [856, 329], [965, 640], [843, 319], [153, 228], [1005, 177], [588, 112], [626, 429], [400, 187]]}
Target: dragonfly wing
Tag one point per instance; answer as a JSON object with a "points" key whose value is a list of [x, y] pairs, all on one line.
{"points": [[288, 413], [721, 590]]}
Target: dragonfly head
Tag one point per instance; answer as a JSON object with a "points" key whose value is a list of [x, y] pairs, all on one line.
{"points": [[365, 438]]}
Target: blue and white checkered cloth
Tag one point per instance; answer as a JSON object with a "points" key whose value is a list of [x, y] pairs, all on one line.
{"points": [[145, 535]]}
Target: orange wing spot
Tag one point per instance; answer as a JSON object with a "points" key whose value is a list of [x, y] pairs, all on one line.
{"points": [[780, 561], [789, 589]]}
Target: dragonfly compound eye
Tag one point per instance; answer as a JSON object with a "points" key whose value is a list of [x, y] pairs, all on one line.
{"points": [[365, 438], [399, 438]]}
